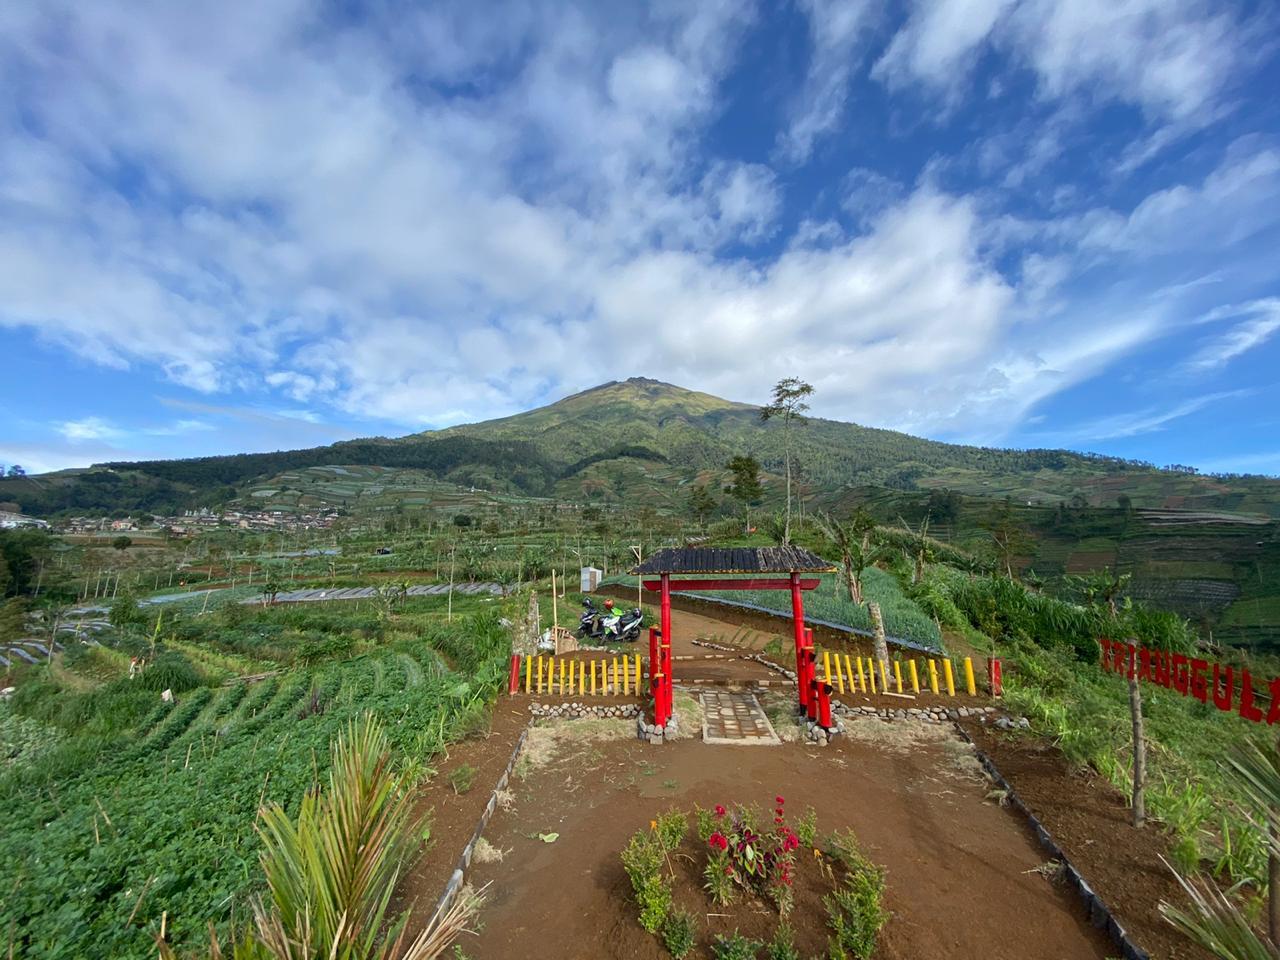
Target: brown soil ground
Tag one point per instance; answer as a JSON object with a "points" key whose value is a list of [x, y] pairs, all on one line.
{"points": [[962, 871], [962, 878], [1090, 821], [452, 816]]}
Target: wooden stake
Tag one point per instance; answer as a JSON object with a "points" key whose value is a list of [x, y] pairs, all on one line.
{"points": [[1139, 753]]}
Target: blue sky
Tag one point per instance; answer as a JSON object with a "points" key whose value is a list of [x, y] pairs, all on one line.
{"points": [[249, 226]]}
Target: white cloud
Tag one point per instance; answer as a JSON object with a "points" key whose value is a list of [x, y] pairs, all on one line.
{"points": [[1134, 423], [448, 216], [939, 40], [838, 29], [88, 428], [1263, 322], [1172, 58]]}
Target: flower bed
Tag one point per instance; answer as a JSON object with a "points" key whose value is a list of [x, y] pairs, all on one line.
{"points": [[732, 888]]}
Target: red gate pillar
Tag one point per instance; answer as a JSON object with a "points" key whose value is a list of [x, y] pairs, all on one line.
{"points": [[797, 618], [668, 680], [655, 674], [664, 652]]}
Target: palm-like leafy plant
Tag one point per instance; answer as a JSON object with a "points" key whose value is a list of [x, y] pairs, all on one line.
{"points": [[1214, 921], [331, 873]]}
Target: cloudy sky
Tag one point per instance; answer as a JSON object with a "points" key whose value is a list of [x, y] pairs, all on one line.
{"points": [[243, 226]]}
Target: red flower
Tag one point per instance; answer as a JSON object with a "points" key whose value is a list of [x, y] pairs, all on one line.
{"points": [[720, 811], [777, 820], [778, 800]]}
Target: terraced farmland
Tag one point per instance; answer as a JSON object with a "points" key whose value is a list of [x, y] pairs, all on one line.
{"points": [[139, 809]]}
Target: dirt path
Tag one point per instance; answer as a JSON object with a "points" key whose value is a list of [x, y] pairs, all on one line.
{"points": [[962, 878], [1090, 821]]}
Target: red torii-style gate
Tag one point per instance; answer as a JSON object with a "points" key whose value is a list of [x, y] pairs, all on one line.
{"points": [[689, 562]]}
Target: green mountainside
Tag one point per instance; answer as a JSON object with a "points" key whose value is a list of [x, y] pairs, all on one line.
{"points": [[692, 433], [641, 442], [1206, 546]]}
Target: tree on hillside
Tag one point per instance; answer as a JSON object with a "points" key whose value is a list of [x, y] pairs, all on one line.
{"points": [[701, 503], [122, 542], [1103, 590], [745, 488], [1009, 540], [853, 540], [789, 404]]}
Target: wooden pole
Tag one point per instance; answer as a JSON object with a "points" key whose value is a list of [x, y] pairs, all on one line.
{"points": [[555, 606], [449, 615], [1140, 756]]}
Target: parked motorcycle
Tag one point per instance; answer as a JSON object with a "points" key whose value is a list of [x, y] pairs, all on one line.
{"points": [[609, 626]]}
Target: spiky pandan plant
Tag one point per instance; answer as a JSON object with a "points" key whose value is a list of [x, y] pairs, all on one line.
{"points": [[331, 873], [1215, 921]]}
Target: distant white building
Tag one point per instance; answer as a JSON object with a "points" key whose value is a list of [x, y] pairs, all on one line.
{"points": [[9, 521]]}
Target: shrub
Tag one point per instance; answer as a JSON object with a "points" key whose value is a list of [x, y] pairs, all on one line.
{"points": [[678, 933], [462, 778], [672, 827], [706, 823], [854, 910], [736, 947], [643, 860], [782, 946], [171, 670], [807, 828]]}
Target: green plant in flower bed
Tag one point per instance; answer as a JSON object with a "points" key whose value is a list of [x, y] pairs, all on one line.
{"points": [[759, 860], [678, 933], [854, 910], [109, 827], [644, 860], [735, 947], [743, 857], [782, 946]]}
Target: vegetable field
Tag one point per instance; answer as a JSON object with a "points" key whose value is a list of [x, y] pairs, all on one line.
{"points": [[121, 809]]}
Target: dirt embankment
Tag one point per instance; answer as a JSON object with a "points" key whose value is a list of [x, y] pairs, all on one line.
{"points": [[1090, 821]]}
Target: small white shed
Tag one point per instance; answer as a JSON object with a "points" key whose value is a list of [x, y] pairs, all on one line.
{"points": [[591, 578]]}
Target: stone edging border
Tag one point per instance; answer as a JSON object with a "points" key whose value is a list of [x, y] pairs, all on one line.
{"points": [[464, 862], [1099, 914]]}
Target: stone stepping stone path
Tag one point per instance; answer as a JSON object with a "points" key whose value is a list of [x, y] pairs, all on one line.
{"points": [[735, 717]]}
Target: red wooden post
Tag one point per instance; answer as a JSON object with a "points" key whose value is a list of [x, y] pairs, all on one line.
{"points": [[811, 661], [668, 681], [655, 671], [665, 649], [994, 678], [824, 704], [513, 677], [797, 618]]}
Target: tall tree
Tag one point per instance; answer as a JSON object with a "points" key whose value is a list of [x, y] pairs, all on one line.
{"points": [[745, 488], [701, 503], [788, 403]]}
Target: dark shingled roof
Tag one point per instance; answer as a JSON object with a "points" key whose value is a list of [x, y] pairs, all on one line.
{"points": [[733, 560]]}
